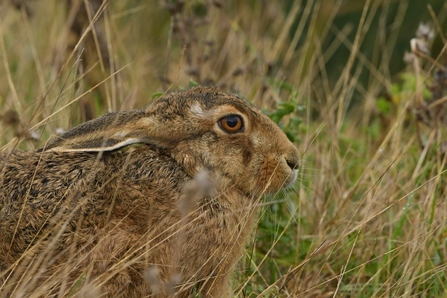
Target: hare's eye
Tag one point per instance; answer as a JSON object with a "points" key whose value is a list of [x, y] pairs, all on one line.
{"points": [[231, 123]]}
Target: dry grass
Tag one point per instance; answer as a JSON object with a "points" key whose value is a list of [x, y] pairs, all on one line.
{"points": [[367, 218]]}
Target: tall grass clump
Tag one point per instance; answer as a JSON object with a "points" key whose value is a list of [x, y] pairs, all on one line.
{"points": [[368, 215]]}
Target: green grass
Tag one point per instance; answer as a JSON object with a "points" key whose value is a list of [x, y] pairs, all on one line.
{"points": [[367, 217]]}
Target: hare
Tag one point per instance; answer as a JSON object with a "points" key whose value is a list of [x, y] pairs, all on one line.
{"points": [[154, 202]]}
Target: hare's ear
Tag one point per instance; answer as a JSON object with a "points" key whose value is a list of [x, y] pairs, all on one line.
{"points": [[109, 132], [91, 145]]}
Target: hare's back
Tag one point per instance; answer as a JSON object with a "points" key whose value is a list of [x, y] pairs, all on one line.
{"points": [[41, 192]]}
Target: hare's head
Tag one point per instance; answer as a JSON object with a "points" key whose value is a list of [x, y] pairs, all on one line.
{"points": [[202, 129]]}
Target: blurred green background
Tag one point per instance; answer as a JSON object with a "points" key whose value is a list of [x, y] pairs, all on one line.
{"points": [[386, 28]]}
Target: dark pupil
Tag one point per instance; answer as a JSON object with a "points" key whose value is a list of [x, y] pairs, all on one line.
{"points": [[232, 121]]}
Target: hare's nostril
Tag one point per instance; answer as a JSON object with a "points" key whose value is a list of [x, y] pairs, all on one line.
{"points": [[293, 164]]}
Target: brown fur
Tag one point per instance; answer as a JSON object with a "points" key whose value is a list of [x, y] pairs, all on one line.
{"points": [[138, 221]]}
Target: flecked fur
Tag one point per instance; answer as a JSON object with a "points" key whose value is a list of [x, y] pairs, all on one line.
{"points": [[101, 206]]}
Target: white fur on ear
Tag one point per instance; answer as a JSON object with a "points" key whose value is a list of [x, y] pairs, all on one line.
{"points": [[99, 145], [196, 109]]}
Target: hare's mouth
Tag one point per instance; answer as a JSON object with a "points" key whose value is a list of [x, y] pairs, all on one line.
{"points": [[291, 179]]}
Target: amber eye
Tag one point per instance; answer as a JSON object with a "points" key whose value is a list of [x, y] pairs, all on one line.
{"points": [[231, 123]]}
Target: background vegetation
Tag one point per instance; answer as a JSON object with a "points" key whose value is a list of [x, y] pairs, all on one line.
{"points": [[368, 215]]}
